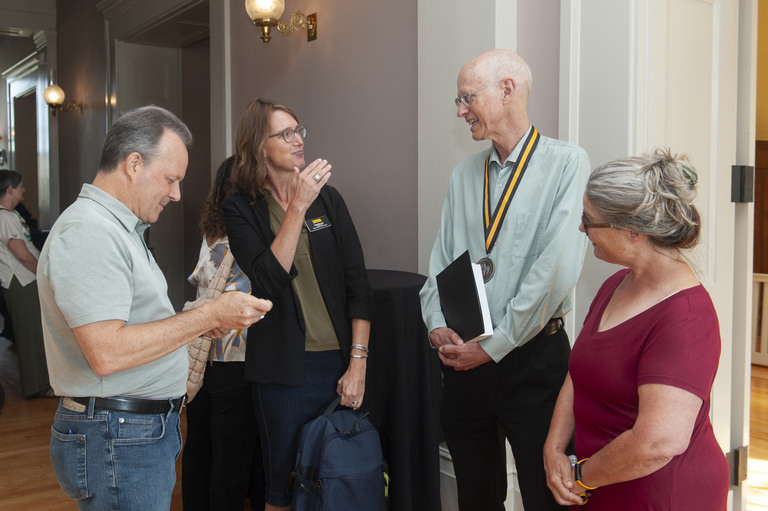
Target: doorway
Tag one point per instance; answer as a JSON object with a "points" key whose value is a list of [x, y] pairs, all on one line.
{"points": [[167, 63], [25, 147]]}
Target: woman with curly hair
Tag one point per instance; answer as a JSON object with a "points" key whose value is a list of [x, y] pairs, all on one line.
{"points": [[222, 455]]}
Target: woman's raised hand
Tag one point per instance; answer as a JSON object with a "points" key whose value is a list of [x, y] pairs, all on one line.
{"points": [[308, 182]]}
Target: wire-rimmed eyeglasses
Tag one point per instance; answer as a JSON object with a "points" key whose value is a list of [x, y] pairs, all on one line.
{"points": [[466, 98], [587, 226], [288, 134]]}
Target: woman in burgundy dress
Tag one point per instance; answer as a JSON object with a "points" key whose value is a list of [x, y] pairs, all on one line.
{"points": [[637, 397]]}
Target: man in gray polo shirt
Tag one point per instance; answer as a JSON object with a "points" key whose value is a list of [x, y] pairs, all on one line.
{"points": [[115, 346]]}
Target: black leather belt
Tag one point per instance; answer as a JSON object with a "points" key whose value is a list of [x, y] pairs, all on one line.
{"points": [[134, 404], [552, 327]]}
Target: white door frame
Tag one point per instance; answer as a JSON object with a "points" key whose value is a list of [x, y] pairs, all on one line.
{"points": [[29, 75], [735, 363]]}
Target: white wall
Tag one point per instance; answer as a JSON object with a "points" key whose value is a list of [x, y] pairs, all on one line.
{"points": [[449, 34]]}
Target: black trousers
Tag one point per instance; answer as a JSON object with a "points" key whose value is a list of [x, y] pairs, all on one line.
{"points": [[221, 461], [515, 399]]}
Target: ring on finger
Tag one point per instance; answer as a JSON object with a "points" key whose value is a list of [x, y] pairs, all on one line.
{"points": [[317, 177]]}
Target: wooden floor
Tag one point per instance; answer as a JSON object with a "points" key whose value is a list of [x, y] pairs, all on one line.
{"points": [[758, 441], [27, 481]]}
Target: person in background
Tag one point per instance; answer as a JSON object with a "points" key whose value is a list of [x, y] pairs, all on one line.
{"points": [[18, 275], [295, 240], [526, 191], [637, 395], [116, 348], [222, 453], [38, 239]]}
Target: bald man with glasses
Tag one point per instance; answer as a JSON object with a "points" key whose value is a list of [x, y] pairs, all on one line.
{"points": [[516, 207]]}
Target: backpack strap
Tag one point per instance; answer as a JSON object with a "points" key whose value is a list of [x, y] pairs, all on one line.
{"points": [[331, 407]]}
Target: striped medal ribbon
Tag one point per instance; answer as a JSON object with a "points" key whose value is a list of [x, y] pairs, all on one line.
{"points": [[492, 223]]}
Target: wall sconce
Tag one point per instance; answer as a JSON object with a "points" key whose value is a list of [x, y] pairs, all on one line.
{"points": [[266, 14], [54, 96]]}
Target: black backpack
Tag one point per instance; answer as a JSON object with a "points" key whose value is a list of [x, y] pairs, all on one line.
{"points": [[339, 465]]}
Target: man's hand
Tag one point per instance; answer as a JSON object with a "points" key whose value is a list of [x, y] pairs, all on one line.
{"points": [[454, 352], [444, 335], [237, 311], [464, 357]]}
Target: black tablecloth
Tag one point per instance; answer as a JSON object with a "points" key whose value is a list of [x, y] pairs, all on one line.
{"points": [[403, 390]]}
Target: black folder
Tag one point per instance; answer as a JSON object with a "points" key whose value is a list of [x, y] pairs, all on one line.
{"points": [[463, 300]]}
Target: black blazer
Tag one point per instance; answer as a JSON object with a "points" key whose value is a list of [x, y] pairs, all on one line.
{"points": [[275, 352]]}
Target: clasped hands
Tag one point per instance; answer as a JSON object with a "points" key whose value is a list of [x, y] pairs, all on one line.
{"points": [[455, 353]]}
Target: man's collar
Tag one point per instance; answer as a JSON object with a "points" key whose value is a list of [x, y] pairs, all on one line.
{"points": [[119, 210], [515, 152]]}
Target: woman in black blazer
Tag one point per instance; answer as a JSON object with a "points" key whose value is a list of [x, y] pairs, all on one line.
{"points": [[293, 237]]}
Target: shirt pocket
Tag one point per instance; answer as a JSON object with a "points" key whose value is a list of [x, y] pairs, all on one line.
{"points": [[522, 232]]}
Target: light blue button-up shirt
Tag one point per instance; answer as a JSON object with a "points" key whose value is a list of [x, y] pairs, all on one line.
{"points": [[539, 252]]}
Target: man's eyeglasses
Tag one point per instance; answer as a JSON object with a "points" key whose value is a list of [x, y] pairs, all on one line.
{"points": [[466, 98], [587, 226], [288, 134]]}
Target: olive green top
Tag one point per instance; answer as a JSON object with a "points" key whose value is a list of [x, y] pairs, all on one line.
{"points": [[320, 335]]}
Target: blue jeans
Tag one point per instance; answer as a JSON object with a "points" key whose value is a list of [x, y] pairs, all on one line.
{"points": [[115, 460], [282, 411]]}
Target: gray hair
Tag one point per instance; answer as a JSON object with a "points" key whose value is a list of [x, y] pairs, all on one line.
{"points": [[650, 194], [139, 130], [8, 178]]}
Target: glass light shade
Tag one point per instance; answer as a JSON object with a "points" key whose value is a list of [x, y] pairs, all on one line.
{"points": [[263, 9], [53, 95]]}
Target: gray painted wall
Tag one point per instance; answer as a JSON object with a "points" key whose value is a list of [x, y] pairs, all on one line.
{"points": [[82, 71], [355, 89]]}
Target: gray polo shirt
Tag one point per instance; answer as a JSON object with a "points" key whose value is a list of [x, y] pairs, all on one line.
{"points": [[95, 267]]}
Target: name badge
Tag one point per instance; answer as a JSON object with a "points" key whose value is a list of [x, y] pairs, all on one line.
{"points": [[317, 224]]}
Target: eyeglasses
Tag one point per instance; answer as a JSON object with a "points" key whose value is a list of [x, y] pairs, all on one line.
{"points": [[466, 98], [588, 226], [288, 134]]}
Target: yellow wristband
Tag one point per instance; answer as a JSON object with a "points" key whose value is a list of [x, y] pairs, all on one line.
{"points": [[577, 470]]}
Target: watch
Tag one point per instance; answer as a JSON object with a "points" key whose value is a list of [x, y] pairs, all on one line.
{"points": [[577, 470]]}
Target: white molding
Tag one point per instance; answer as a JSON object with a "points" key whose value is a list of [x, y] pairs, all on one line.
{"points": [[21, 69], [570, 14], [505, 22]]}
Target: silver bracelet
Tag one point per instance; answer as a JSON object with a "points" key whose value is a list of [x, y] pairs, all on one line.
{"points": [[360, 347], [359, 356]]}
